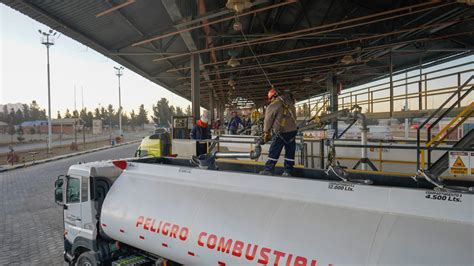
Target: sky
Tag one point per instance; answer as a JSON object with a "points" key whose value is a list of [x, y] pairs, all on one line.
{"points": [[23, 75]]}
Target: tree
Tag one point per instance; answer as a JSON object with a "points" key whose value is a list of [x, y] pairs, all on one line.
{"points": [[90, 117], [11, 117], [19, 116], [87, 117], [26, 112], [103, 114], [142, 116], [125, 119], [59, 115], [67, 114], [75, 114], [162, 112], [42, 114], [34, 110], [111, 115], [5, 114], [97, 113], [133, 119], [172, 111], [188, 110], [179, 111]]}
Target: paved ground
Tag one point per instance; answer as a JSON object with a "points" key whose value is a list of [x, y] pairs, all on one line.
{"points": [[31, 229]]}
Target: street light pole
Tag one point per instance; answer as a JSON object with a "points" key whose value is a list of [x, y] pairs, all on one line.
{"points": [[119, 73], [48, 40]]}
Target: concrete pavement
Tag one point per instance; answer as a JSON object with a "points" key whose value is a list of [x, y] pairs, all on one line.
{"points": [[31, 228]]}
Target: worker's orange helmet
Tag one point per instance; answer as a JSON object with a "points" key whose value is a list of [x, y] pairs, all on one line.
{"points": [[271, 93]]}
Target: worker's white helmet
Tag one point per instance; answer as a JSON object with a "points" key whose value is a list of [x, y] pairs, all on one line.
{"points": [[204, 117]]}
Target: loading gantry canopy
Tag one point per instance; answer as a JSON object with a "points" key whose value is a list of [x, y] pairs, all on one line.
{"points": [[297, 43]]}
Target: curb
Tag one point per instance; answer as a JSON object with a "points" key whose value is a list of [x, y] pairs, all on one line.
{"points": [[9, 168]]}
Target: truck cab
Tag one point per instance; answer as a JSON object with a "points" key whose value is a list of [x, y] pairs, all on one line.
{"points": [[81, 193]]}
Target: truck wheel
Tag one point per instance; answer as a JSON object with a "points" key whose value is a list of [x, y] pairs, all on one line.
{"points": [[88, 258]]}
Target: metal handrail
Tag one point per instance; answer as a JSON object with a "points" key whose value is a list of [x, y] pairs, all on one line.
{"points": [[447, 100], [422, 125], [412, 95], [418, 75], [444, 132], [401, 85], [380, 88]]}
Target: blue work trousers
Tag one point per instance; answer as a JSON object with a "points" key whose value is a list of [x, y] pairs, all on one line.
{"points": [[281, 140]]}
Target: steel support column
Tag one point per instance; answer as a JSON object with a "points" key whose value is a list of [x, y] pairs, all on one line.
{"points": [[391, 84], [195, 86], [333, 98], [220, 113], [211, 107], [420, 87]]}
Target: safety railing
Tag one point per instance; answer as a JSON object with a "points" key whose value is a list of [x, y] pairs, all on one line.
{"points": [[453, 125], [462, 92], [369, 97]]}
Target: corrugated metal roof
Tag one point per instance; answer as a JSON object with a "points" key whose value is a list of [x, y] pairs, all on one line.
{"points": [[113, 35]]}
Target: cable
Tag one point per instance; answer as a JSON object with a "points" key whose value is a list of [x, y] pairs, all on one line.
{"points": [[253, 53]]}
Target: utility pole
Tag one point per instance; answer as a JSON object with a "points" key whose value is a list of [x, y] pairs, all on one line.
{"points": [[75, 113], [119, 73], [82, 98], [48, 40]]}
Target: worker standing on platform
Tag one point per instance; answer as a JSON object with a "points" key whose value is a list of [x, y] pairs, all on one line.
{"points": [[280, 118], [234, 123], [201, 131]]}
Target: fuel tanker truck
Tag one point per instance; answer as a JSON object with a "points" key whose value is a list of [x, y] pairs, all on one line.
{"points": [[211, 211]]}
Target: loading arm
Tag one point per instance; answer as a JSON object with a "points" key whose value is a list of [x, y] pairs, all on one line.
{"points": [[347, 115]]}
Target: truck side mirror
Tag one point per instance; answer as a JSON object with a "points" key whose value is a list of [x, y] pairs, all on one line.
{"points": [[58, 190]]}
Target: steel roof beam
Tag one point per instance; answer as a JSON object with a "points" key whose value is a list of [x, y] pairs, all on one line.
{"points": [[175, 15], [137, 30], [210, 23], [337, 26]]}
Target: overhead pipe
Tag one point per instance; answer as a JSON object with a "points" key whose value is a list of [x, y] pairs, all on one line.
{"points": [[112, 9], [331, 27]]}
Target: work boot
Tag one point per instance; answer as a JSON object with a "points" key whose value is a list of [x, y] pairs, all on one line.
{"points": [[286, 174], [265, 172]]}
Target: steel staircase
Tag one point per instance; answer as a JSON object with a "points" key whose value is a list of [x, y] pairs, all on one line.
{"points": [[442, 164]]}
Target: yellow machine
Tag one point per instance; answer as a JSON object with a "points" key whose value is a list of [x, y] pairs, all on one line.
{"points": [[156, 145]]}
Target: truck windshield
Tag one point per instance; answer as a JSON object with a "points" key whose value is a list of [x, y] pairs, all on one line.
{"points": [[73, 190]]}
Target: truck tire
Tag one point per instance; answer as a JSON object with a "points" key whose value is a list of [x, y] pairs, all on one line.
{"points": [[88, 258]]}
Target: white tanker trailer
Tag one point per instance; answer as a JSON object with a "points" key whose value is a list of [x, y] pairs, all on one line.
{"points": [[167, 211]]}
